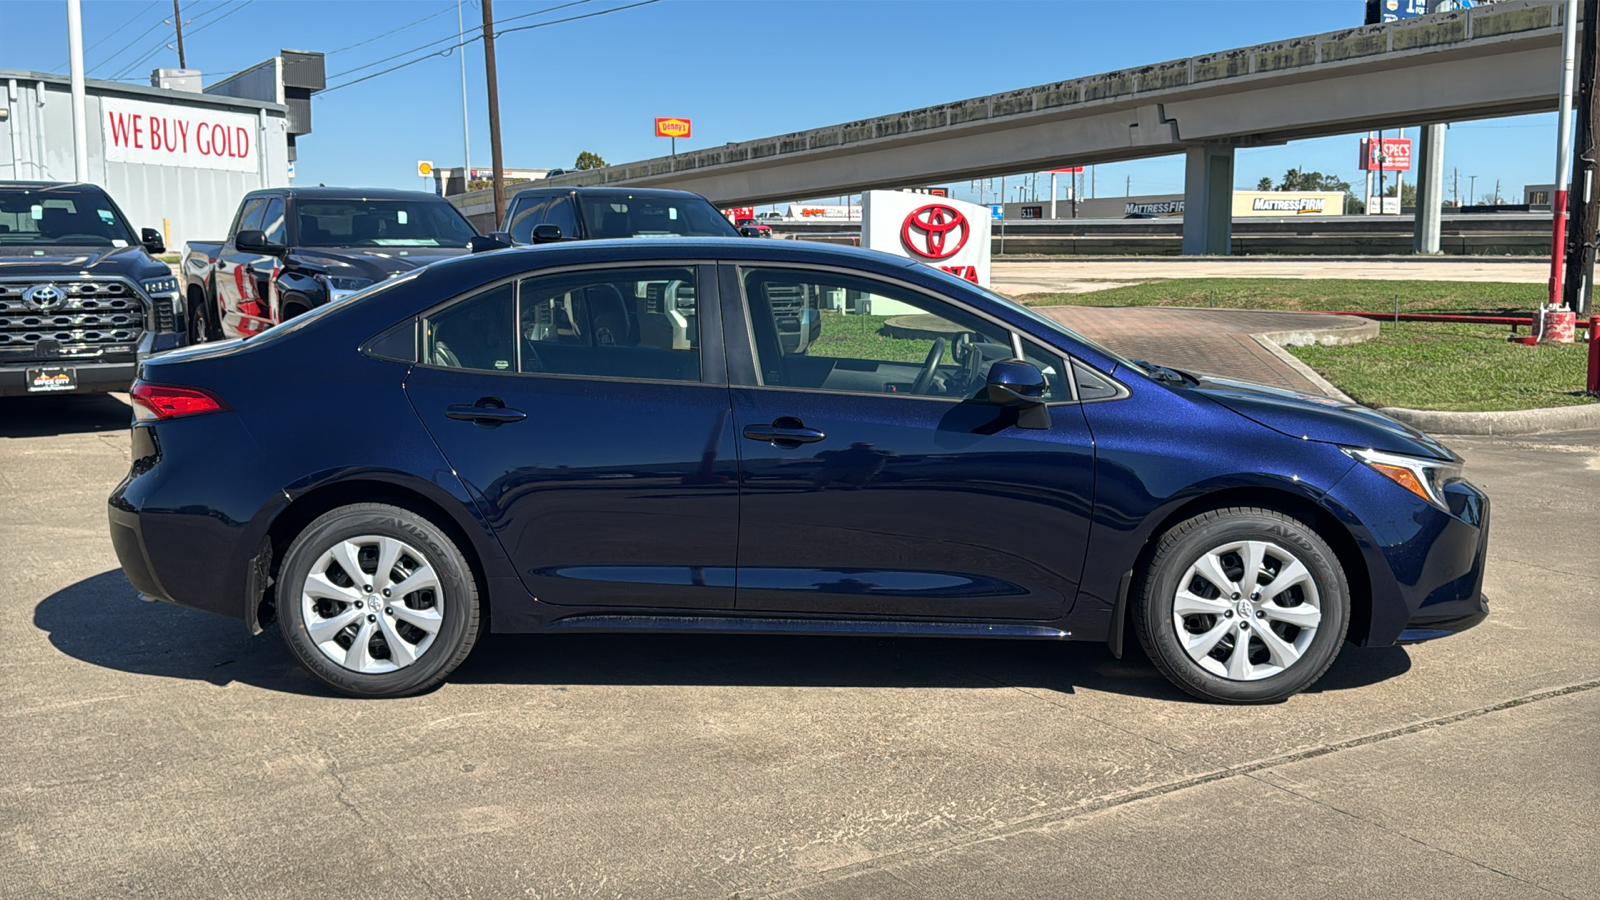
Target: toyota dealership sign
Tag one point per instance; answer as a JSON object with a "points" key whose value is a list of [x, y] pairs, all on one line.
{"points": [[947, 234]]}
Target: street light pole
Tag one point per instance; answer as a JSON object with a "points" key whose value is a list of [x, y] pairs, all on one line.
{"points": [[1586, 199], [80, 115], [1558, 242], [466, 143]]}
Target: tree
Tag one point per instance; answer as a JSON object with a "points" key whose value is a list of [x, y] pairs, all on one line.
{"points": [[1408, 197], [587, 160], [1265, 184], [1296, 180]]}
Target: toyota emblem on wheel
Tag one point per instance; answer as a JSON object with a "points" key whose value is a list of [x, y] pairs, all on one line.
{"points": [[44, 297], [935, 231]]}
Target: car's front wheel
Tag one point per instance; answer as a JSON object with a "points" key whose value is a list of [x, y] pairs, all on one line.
{"points": [[377, 601], [1242, 605]]}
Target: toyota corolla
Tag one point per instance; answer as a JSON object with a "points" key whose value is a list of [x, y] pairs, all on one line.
{"points": [[614, 436]]}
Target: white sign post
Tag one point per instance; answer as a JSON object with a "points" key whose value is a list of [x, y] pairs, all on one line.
{"points": [[947, 234]]}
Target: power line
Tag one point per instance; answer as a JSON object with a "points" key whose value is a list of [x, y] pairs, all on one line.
{"points": [[135, 64], [115, 31], [455, 37], [127, 46], [448, 50], [392, 31]]}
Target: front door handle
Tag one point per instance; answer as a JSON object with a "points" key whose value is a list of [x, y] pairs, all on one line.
{"points": [[784, 431], [486, 411]]}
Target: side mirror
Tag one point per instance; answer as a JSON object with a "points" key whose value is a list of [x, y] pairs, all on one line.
{"points": [[255, 241], [151, 239], [546, 234], [479, 243], [504, 237], [1019, 385]]}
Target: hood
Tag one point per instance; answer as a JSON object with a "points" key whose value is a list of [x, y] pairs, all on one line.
{"points": [[59, 261], [1317, 418], [376, 263]]}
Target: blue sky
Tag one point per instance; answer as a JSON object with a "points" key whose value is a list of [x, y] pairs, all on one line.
{"points": [[740, 69]]}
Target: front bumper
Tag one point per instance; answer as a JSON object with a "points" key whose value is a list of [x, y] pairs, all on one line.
{"points": [[93, 377]]}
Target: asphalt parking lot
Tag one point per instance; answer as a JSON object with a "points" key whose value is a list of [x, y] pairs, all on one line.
{"points": [[154, 751]]}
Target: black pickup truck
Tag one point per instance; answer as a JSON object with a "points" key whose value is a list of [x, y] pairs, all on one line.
{"points": [[81, 298], [290, 250]]}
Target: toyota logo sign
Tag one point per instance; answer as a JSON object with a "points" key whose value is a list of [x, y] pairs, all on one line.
{"points": [[44, 297], [935, 231]]}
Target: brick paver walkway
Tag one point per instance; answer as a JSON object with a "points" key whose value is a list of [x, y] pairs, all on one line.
{"points": [[1212, 341]]}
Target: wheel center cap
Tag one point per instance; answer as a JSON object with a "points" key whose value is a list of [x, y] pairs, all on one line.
{"points": [[1244, 609]]}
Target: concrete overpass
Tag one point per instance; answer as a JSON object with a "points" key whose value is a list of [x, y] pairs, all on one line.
{"points": [[1496, 60]]}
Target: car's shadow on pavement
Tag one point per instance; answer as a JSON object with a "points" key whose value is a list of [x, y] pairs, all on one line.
{"points": [[100, 621], [62, 414]]}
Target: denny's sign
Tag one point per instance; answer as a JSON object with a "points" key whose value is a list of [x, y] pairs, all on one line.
{"points": [[672, 128]]}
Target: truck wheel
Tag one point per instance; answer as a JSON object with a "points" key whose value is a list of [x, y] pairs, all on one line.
{"points": [[377, 601], [199, 325]]}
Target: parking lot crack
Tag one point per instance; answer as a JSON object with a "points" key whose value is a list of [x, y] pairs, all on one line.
{"points": [[1091, 805]]}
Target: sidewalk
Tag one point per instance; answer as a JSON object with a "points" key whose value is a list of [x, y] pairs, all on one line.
{"points": [[1211, 341]]}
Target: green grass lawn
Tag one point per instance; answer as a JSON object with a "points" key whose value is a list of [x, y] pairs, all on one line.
{"points": [[1325, 294], [860, 337], [1425, 365]]}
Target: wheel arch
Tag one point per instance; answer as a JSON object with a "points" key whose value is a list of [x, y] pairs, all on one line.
{"points": [[1326, 524], [304, 509]]}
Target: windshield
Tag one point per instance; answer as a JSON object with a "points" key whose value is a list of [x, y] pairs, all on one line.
{"points": [[625, 215], [1037, 317], [77, 218], [381, 223]]}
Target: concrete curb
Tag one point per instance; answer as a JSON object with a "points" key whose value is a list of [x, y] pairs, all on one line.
{"points": [[1305, 371], [1519, 421]]}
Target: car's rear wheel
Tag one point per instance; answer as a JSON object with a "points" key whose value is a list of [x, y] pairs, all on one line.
{"points": [[200, 330], [1242, 605], [377, 601]]}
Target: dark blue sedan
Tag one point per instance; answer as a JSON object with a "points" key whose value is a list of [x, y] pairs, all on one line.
{"points": [[617, 436]]}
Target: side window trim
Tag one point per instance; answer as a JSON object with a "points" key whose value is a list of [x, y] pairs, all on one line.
{"points": [[745, 371]]}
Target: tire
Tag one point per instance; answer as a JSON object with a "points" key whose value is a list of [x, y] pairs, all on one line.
{"points": [[200, 330], [1189, 623], [293, 305], [411, 640]]}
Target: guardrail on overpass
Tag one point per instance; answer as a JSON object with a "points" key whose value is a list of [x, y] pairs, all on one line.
{"points": [[1484, 62]]}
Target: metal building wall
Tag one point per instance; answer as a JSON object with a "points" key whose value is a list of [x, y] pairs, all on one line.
{"points": [[198, 203]]}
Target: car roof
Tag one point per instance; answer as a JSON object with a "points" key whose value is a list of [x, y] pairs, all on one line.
{"points": [[610, 192], [339, 193], [63, 186]]}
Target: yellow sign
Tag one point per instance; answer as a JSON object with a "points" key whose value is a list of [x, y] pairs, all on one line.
{"points": [[424, 168], [673, 128]]}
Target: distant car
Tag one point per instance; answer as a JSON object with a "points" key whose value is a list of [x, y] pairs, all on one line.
{"points": [[753, 228], [82, 297], [553, 440], [290, 250], [770, 216], [544, 215]]}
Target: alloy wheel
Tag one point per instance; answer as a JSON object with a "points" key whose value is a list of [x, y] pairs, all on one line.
{"points": [[1246, 610], [372, 604]]}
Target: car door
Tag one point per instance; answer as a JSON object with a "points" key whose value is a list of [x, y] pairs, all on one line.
{"points": [[587, 411], [874, 479], [235, 284]]}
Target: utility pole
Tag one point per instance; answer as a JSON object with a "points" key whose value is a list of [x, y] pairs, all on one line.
{"points": [[1455, 186], [494, 112], [177, 22], [1472, 190], [1127, 190], [1585, 193], [80, 112], [466, 143], [1558, 217]]}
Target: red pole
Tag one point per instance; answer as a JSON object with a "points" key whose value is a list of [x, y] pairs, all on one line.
{"points": [[1594, 353], [1558, 247]]}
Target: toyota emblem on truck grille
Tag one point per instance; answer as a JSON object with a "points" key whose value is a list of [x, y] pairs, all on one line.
{"points": [[929, 231], [44, 297]]}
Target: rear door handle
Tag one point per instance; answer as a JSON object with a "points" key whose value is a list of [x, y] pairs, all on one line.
{"points": [[484, 413], [783, 434]]}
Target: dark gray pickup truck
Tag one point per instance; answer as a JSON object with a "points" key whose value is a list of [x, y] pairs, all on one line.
{"points": [[82, 299]]}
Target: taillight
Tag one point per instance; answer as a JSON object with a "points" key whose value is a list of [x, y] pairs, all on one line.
{"points": [[152, 402]]}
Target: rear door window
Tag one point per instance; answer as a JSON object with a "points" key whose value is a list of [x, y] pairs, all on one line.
{"points": [[612, 323]]}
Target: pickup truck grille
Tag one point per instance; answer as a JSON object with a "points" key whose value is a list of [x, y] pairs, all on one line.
{"points": [[78, 319]]}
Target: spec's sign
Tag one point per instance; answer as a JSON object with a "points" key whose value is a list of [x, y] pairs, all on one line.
{"points": [[163, 134], [673, 128], [1396, 150]]}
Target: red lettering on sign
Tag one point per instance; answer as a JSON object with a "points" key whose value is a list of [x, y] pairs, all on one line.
{"points": [[119, 129], [202, 141], [244, 142], [183, 135], [138, 132], [970, 273]]}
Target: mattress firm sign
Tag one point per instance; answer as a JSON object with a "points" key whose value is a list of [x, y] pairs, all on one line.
{"points": [[947, 234], [160, 134]]}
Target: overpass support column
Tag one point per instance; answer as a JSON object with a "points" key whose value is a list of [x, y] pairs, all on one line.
{"points": [[1430, 190], [1208, 201]]}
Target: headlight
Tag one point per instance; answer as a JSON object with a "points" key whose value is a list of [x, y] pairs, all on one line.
{"points": [[160, 286], [346, 283], [1424, 477]]}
